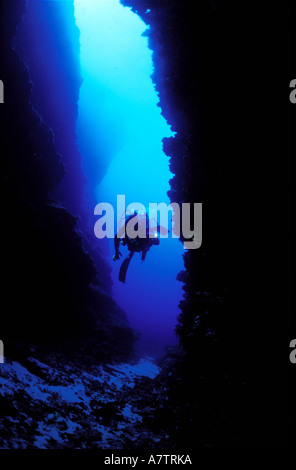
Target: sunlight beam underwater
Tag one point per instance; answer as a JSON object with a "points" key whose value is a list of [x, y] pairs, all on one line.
{"points": [[120, 130]]}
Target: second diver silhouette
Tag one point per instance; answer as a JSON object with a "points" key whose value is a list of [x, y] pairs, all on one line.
{"points": [[138, 244]]}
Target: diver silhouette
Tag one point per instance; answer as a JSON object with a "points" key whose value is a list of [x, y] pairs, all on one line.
{"points": [[134, 245]]}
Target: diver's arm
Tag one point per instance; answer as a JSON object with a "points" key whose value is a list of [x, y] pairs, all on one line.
{"points": [[120, 233], [116, 246]]}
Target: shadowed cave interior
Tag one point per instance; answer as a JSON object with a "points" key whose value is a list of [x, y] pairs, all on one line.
{"points": [[76, 374]]}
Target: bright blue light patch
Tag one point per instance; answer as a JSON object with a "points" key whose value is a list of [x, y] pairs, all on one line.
{"points": [[120, 130]]}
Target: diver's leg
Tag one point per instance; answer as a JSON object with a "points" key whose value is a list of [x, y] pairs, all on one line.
{"points": [[124, 267], [144, 253]]}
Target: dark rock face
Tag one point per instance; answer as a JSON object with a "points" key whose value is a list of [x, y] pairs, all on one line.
{"points": [[212, 60], [52, 290], [48, 42], [53, 62]]}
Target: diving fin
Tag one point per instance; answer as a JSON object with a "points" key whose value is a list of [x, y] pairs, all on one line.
{"points": [[124, 267]]}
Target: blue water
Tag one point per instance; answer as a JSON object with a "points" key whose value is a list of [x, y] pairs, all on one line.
{"points": [[120, 130]]}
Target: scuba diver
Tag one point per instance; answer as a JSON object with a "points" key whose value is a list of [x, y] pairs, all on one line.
{"points": [[134, 245]]}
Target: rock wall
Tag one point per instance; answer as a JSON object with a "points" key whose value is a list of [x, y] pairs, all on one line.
{"points": [[218, 71], [51, 289]]}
